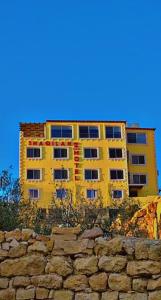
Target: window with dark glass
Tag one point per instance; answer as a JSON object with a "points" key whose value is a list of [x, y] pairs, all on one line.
{"points": [[139, 179], [91, 194], [136, 138], [33, 193], [113, 132], [60, 153], [33, 174], [116, 194], [61, 131], [60, 174], [33, 153], [88, 132], [138, 159], [91, 174], [61, 193], [116, 174], [115, 153], [90, 153]]}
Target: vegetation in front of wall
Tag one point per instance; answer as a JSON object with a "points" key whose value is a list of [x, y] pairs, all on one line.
{"points": [[17, 212]]}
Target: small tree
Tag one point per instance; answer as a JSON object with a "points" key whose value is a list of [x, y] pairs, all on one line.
{"points": [[10, 194]]}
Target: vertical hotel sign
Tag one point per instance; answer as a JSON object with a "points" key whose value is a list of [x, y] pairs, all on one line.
{"points": [[76, 152]]}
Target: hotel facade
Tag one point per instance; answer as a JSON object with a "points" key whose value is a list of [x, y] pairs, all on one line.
{"points": [[86, 159]]}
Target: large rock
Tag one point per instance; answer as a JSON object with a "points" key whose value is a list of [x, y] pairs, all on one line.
{"points": [[154, 284], [110, 295], [86, 265], [42, 293], [155, 251], [21, 281], [133, 296], [85, 296], [27, 234], [111, 247], [76, 282], [154, 295], [51, 281], [15, 234], [3, 254], [119, 282], [98, 282], [141, 249], [25, 294], [112, 264], [92, 233], [38, 246], [70, 247], [59, 265], [139, 284], [66, 230], [64, 237], [143, 268], [4, 283], [61, 295], [18, 251], [29, 265], [7, 294]]}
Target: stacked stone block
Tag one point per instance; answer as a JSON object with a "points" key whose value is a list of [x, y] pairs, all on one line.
{"points": [[70, 265]]}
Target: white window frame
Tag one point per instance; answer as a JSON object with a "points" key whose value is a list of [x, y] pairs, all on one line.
{"points": [[34, 169], [112, 192], [114, 138], [116, 158], [96, 197], [85, 138], [34, 198], [136, 154], [91, 158], [61, 158], [68, 173], [62, 138], [117, 170], [92, 179], [132, 183], [34, 158]]}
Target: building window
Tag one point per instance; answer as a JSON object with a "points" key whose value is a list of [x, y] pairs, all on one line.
{"points": [[33, 193], [60, 153], [61, 193], [113, 132], [33, 174], [136, 138], [115, 153], [116, 174], [61, 131], [139, 179], [138, 159], [92, 194], [117, 194], [90, 153], [91, 174], [33, 153], [61, 174], [89, 132]]}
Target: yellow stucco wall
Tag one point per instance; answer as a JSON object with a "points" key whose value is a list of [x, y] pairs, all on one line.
{"points": [[78, 188]]}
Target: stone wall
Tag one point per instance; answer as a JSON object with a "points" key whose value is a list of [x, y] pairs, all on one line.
{"points": [[69, 265]]}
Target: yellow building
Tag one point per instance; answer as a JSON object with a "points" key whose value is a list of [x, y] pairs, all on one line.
{"points": [[86, 159]]}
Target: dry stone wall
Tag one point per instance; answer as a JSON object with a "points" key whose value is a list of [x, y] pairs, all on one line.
{"points": [[69, 265]]}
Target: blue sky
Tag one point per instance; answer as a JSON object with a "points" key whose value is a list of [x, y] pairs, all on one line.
{"points": [[82, 59]]}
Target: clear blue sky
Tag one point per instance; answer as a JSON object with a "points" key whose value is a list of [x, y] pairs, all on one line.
{"points": [[84, 59]]}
